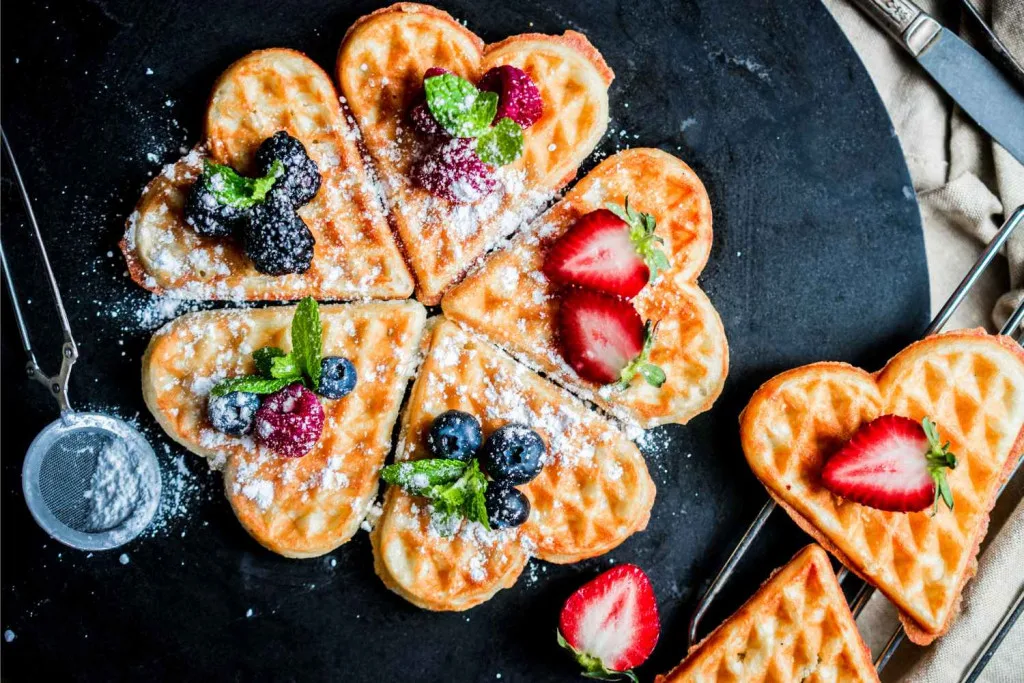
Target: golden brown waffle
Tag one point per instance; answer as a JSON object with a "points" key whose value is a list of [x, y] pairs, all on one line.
{"points": [[797, 627], [355, 256], [297, 507], [511, 302], [380, 68], [593, 492], [972, 385]]}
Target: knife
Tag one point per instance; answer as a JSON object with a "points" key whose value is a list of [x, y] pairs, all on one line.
{"points": [[981, 90]]}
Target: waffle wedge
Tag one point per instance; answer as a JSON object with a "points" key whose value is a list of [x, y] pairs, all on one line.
{"points": [[797, 627], [355, 256], [972, 386], [593, 492], [510, 301], [380, 68], [297, 507]]}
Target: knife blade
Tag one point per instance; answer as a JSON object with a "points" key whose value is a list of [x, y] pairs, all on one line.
{"points": [[982, 91]]}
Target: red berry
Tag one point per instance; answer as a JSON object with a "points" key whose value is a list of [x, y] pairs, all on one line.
{"points": [[599, 334], [453, 171], [598, 253], [435, 71], [611, 623], [290, 421], [892, 463], [424, 123], [518, 96]]}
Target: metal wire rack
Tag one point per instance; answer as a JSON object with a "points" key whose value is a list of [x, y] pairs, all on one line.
{"points": [[1012, 328]]}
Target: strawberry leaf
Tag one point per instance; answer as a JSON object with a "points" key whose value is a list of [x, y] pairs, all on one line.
{"points": [[641, 233], [642, 365], [939, 460], [592, 666]]}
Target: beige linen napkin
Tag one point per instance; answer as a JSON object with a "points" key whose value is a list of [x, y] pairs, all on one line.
{"points": [[965, 186]]}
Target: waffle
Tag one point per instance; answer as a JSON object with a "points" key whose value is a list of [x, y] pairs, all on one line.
{"points": [[593, 492], [797, 627], [355, 254], [380, 69], [297, 507], [511, 302], [972, 385]]}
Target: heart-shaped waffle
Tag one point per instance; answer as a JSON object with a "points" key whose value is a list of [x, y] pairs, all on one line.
{"points": [[355, 254], [297, 507], [380, 69], [797, 627], [510, 301], [593, 492], [972, 386]]}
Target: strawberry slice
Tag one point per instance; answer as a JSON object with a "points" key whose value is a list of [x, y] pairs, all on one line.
{"points": [[611, 623], [892, 463], [612, 250], [604, 340]]}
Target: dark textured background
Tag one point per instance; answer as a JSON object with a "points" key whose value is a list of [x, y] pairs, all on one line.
{"points": [[818, 254]]}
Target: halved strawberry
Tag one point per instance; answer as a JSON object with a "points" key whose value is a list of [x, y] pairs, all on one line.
{"points": [[604, 340], [612, 250], [611, 623], [892, 463]]}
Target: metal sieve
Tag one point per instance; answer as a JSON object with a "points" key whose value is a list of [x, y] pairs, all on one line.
{"points": [[91, 481]]}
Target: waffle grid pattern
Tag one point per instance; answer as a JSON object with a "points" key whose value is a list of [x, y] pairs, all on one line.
{"points": [[972, 386], [593, 492], [297, 507], [797, 627], [258, 95], [510, 302]]}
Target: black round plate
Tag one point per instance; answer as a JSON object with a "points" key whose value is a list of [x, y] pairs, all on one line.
{"points": [[818, 254]]}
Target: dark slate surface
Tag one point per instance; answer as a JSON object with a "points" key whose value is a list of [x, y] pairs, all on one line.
{"points": [[818, 254]]}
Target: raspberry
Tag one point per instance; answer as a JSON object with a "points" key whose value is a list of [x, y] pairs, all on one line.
{"points": [[518, 97], [453, 171], [435, 71], [290, 421], [424, 123]]}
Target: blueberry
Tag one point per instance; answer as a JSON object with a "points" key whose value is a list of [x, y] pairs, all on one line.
{"points": [[337, 377], [207, 216], [276, 240], [506, 507], [233, 413], [301, 178], [512, 454], [454, 435]]}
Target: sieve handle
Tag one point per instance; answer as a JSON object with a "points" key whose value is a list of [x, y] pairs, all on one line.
{"points": [[57, 384]]}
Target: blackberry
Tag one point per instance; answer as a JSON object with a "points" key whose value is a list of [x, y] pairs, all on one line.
{"points": [[301, 178], [276, 240], [207, 216]]}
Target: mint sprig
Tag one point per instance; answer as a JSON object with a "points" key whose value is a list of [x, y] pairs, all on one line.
{"points": [[277, 369], [641, 234], [307, 334], [501, 144], [642, 364], [231, 189], [939, 460], [465, 111], [252, 384], [456, 489]]}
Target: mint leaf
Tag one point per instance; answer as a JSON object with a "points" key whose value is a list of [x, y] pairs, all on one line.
{"points": [[235, 190], [307, 339], [251, 384], [264, 357], [455, 488], [419, 477], [501, 144], [284, 367], [458, 106]]}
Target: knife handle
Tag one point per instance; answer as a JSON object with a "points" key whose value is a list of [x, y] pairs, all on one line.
{"points": [[911, 26]]}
